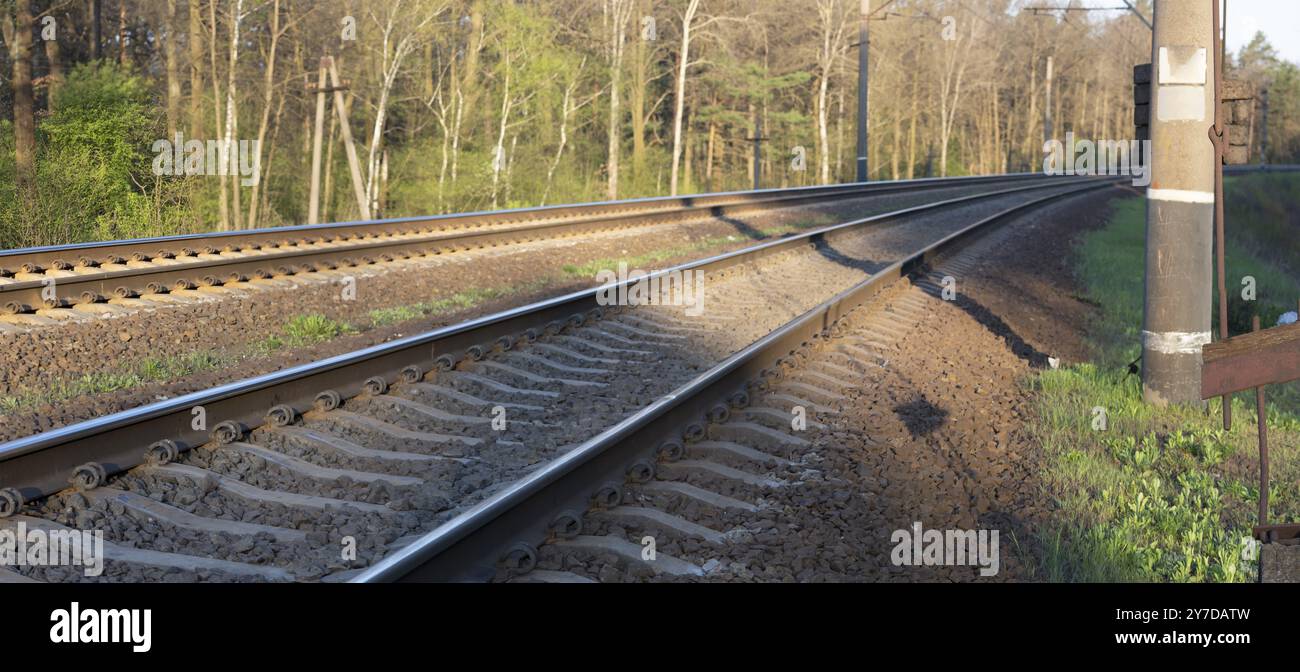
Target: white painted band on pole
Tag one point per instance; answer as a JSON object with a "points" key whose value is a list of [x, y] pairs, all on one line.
{"points": [[1181, 195], [1175, 342]]}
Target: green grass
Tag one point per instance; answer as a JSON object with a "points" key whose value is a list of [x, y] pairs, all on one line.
{"points": [[302, 330], [1158, 494], [298, 331], [1263, 218], [153, 369]]}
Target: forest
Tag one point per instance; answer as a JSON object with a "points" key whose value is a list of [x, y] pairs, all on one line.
{"points": [[133, 118]]}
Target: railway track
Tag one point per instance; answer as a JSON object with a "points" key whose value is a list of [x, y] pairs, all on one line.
{"points": [[85, 276], [453, 455]]}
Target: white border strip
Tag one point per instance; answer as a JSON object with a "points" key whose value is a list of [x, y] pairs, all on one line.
{"points": [[1181, 195], [1175, 342]]}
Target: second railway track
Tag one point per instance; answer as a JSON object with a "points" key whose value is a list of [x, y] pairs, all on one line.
{"points": [[454, 455], [86, 275]]}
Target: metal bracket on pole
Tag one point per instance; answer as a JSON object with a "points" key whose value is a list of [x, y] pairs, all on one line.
{"points": [[1216, 137]]}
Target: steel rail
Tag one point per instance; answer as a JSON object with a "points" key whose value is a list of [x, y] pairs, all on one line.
{"points": [[512, 523], [1261, 168], [41, 465], [600, 208], [63, 276]]}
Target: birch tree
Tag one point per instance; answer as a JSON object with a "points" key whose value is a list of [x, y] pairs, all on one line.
{"points": [[229, 157], [833, 26], [616, 16], [683, 62], [401, 28]]}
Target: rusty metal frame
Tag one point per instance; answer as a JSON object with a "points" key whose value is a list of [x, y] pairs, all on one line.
{"points": [[1250, 360], [1217, 139], [1255, 360]]}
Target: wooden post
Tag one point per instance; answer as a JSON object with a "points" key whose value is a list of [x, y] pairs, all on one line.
{"points": [[354, 165], [313, 207], [1047, 108], [758, 151]]}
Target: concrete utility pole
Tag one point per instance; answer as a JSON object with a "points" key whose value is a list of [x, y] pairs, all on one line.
{"points": [[1180, 203], [862, 89]]}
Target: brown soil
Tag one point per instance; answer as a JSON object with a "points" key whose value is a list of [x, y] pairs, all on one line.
{"points": [[946, 424]]}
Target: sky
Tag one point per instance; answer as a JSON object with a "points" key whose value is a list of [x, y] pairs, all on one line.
{"points": [[1278, 19]]}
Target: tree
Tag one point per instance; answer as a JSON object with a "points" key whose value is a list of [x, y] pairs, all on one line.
{"points": [[24, 102], [401, 29], [173, 70], [683, 62], [833, 26], [616, 15]]}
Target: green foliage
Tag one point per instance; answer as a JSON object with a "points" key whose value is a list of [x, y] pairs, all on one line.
{"points": [[759, 58], [1260, 63], [308, 329], [102, 110], [1262, 217], [93, 176], [1137, 501], [11, 234], [1156, 494]]}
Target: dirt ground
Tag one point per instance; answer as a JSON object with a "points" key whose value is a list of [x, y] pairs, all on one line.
{"points": [[947, 419], [935, 435]]}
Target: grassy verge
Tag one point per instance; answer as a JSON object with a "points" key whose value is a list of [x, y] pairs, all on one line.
{"points": [[1264, 218], [298, 331], [1143, 493], [147, 371]]}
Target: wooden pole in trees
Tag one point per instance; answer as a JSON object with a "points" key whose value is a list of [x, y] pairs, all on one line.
{"points": [[1047, 109], [313, 207]]}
